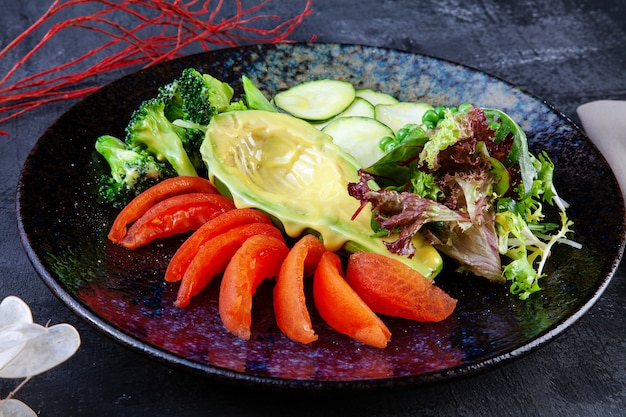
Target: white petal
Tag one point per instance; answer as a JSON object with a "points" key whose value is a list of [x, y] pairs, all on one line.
{"points": [[15, 408], [14, 310], [19, 333], [8, 354], [45, 351], [13, 338]]}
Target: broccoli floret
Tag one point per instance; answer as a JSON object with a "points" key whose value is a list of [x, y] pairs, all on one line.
{"points": [[190, 103], [192, 136], [150, 130], [195, 97], [131, 171], [170, 94], [164, 135], [204, 96]]}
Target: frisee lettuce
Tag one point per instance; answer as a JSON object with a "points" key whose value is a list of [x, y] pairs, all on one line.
{"points": [[473, 189]]}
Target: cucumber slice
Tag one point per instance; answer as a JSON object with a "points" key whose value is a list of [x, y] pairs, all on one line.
{"points": [[376, 97], [359, 136], [398, 115], [316, 100], [359, 107]]}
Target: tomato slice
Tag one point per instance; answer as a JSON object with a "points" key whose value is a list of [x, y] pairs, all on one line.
{"points": [[213, 257], [258, 258], [342, 308], [174, 215], [216, 226], [292, 315], [392, 288], [159, 192]]}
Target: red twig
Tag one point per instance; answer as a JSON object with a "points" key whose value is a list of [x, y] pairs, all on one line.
{"points": [[160, 30]]}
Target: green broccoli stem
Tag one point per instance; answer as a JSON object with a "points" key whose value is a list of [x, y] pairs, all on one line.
{"points": [[150, 129]]}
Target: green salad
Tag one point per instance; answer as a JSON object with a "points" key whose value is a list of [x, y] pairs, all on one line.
{"points": [[461, 179]]}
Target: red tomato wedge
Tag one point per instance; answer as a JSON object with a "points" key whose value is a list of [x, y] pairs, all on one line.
{"points": [[392, 288], [342, 308], [159, 192], [292, 315], [177, 214], [258, 258], [213, 257], [216, 226]]}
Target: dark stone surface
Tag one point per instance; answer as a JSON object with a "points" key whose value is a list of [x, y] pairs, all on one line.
{"points": [[567, 52]]}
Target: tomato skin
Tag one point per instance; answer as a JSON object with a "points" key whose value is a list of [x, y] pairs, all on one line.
{"points": [[292, 315], [258, 258], [153, 195], [342, 308], [392, 288], [173, 215], [213, 257], [216, 226]]}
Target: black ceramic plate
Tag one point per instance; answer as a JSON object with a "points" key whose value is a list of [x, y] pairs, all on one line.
{"points": [[123, 294]]}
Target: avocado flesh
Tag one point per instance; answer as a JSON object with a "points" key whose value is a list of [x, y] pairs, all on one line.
{"points": [[294, 172]]}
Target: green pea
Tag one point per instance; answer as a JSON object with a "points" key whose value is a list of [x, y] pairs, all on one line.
{"points": [[416, 132], [430, 116], [463, 108], [384, 142], [390, 147], [401, 135], [441, 112]]}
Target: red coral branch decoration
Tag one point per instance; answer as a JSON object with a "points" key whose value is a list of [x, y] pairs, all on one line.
{"points": [[163, 30]]}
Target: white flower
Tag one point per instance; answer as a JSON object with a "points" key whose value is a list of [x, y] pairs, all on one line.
{"points": [[15, 408], [28, 349]]}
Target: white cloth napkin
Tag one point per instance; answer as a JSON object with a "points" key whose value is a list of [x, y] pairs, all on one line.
{"points": [[604, 121]]}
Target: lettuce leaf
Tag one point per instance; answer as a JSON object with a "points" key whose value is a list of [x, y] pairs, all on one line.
{"points": [[473, 189]]}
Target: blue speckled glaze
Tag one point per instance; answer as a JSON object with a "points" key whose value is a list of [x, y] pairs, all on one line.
{"points": [[124, 295]]}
